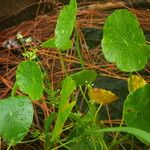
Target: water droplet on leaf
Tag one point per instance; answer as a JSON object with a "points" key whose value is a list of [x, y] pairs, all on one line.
{"points": [[1, 108], [21, 103], [139, 62], [11, 113]]}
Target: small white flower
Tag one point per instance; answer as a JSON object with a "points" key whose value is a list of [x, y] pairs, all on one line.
{"points": [[8, 46], [19, 36], [28, 40]]}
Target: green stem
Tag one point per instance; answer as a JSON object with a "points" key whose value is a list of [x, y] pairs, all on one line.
{"points": [[63, 144], [77, 45], [130, 83], [62, 62], [22, 44], [84, 96], [103, 144], [116, 136], [118, 141], [23, 142], [94, 145], [132, 145], [9, 147], [96, 113]]}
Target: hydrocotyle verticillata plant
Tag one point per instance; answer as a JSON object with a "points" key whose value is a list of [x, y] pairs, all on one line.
{"points": [[65, 106], [123, 41], [16, 112], [29, 79], [64, 28], [16, 115]]}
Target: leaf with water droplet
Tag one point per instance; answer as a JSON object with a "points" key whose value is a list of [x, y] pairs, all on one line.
{"points": [[84, 76], [15, 121], [64, 28], [65, 25], [29, 79], [20, 103], [1, 108], [123, 41]]}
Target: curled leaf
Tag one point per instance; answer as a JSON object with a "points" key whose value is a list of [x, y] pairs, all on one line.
{"points": [[102, 96], [136, 82]]}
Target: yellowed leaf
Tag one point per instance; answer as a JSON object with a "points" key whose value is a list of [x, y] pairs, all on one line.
{"points": [[135, 82], [102, 96]]}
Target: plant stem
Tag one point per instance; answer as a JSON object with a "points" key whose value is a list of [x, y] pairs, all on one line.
{"points": [[29, 141], [9, 147], [130, 83], [84, 96], [118, 141], [62, 62], [94, 120], [77, 45], [63, 144], [94, 145], [104, 146], [116, 136]]}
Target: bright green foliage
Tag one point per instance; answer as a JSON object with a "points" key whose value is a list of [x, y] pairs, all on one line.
{"points": [[145, 136], [65, 107], [84, 76], [65, 25], [47, 123], [16, 115], [123, 41], [90, 115], [64, 28], [50, 43], [29, 79], [88, 143], [137, 108]]}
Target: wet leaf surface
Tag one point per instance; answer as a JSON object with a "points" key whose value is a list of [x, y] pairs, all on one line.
{"points": [[123, 41], [136, 109], [16, 115], [29, 79]]}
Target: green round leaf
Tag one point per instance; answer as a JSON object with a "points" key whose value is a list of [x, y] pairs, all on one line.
{"points": [[137, 108], [123, 41], [29, 79], [16, 115]]}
